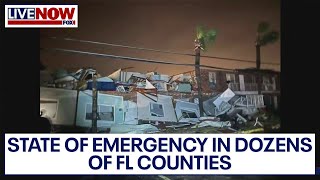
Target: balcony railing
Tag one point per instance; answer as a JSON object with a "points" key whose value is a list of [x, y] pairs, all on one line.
{"points": [[250, 101], [267, 87], [234, 86], [251, 87]]}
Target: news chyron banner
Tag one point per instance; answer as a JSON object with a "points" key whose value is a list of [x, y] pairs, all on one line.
{"points": [[41, 16], [160, 154]]}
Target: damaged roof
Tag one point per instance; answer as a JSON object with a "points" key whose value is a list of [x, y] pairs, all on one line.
{"points": [[254, 70]]}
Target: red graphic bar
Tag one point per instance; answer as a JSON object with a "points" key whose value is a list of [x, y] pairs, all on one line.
{"points": [[33, 22]]}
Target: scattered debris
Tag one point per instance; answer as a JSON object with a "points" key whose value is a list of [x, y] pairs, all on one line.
{"points": [[164, 177], [133, 102], [257, 122], [177, 126], [218, 124], [187, 111], [133, 129], [240, 118], [209, 119], [251, 131]]}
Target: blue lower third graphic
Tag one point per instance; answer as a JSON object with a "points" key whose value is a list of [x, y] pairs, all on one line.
{"points": [[318, 171]]}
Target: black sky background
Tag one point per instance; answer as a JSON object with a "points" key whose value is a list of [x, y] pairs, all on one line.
{"points": [[165, 25]]}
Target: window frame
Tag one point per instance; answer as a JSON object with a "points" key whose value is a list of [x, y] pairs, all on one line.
{"points": [[150, 105], [51, 101], [105, 120], [191, 110], [214, 76], [233, 75]]}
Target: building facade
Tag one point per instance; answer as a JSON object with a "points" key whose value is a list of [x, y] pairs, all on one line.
{"points": [[244, 82]]}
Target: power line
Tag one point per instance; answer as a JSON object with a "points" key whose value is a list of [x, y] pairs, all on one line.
{"points": [[156, 50], [128, 58]]}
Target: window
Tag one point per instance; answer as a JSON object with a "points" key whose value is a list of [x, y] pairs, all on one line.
{"points": [[49, 108], [105, 113], [156, 110], [188, 114], [212, 77], [231, 78]]}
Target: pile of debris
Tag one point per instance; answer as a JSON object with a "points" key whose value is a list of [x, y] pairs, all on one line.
{"points": [[138, 106], [230, 113]]}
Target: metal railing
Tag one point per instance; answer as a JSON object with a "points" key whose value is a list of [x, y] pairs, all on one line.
{"points": [[251, 86], [234, 86], [267, 87]]}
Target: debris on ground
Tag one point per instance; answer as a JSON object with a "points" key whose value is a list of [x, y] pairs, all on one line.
{"points": [[218, 124], [133, 129]]}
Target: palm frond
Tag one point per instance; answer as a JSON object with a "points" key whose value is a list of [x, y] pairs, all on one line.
{"points": [[263, 27], [211, 36], [269, 37], [200, 32], [203, 43], [205, 37]]}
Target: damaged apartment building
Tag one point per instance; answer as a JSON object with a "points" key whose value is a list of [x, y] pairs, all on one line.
{"points": [[244, 82]]}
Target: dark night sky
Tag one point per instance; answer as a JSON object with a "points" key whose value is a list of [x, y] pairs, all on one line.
{"points": [[165, 25]]}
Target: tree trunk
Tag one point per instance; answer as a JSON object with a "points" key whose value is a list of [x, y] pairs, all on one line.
{"points": [[198, 78], [258, 60], [258, 64], [94, 104]]}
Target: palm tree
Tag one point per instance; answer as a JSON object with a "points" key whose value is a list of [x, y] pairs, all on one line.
{"points": [[203, 39], [264, 37]]}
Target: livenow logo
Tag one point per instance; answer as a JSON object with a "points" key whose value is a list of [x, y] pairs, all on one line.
{"points": [[41, 16]]}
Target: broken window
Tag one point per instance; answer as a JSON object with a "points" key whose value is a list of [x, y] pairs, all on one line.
{"points": [[156, 110], [212, 77], [188, 114], [105, 113], [231, 78]]}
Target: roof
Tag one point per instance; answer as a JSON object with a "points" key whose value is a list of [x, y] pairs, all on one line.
{"points": [[253, 70]]}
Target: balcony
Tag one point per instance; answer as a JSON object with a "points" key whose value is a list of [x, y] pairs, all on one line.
{"points": [[268, 87], [251, 87], [234, 86], [247, 87], [250, 101]]}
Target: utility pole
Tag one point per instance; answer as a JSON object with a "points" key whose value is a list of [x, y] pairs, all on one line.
{"points": [[94, 104], [198, 74], [78, 87]]}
